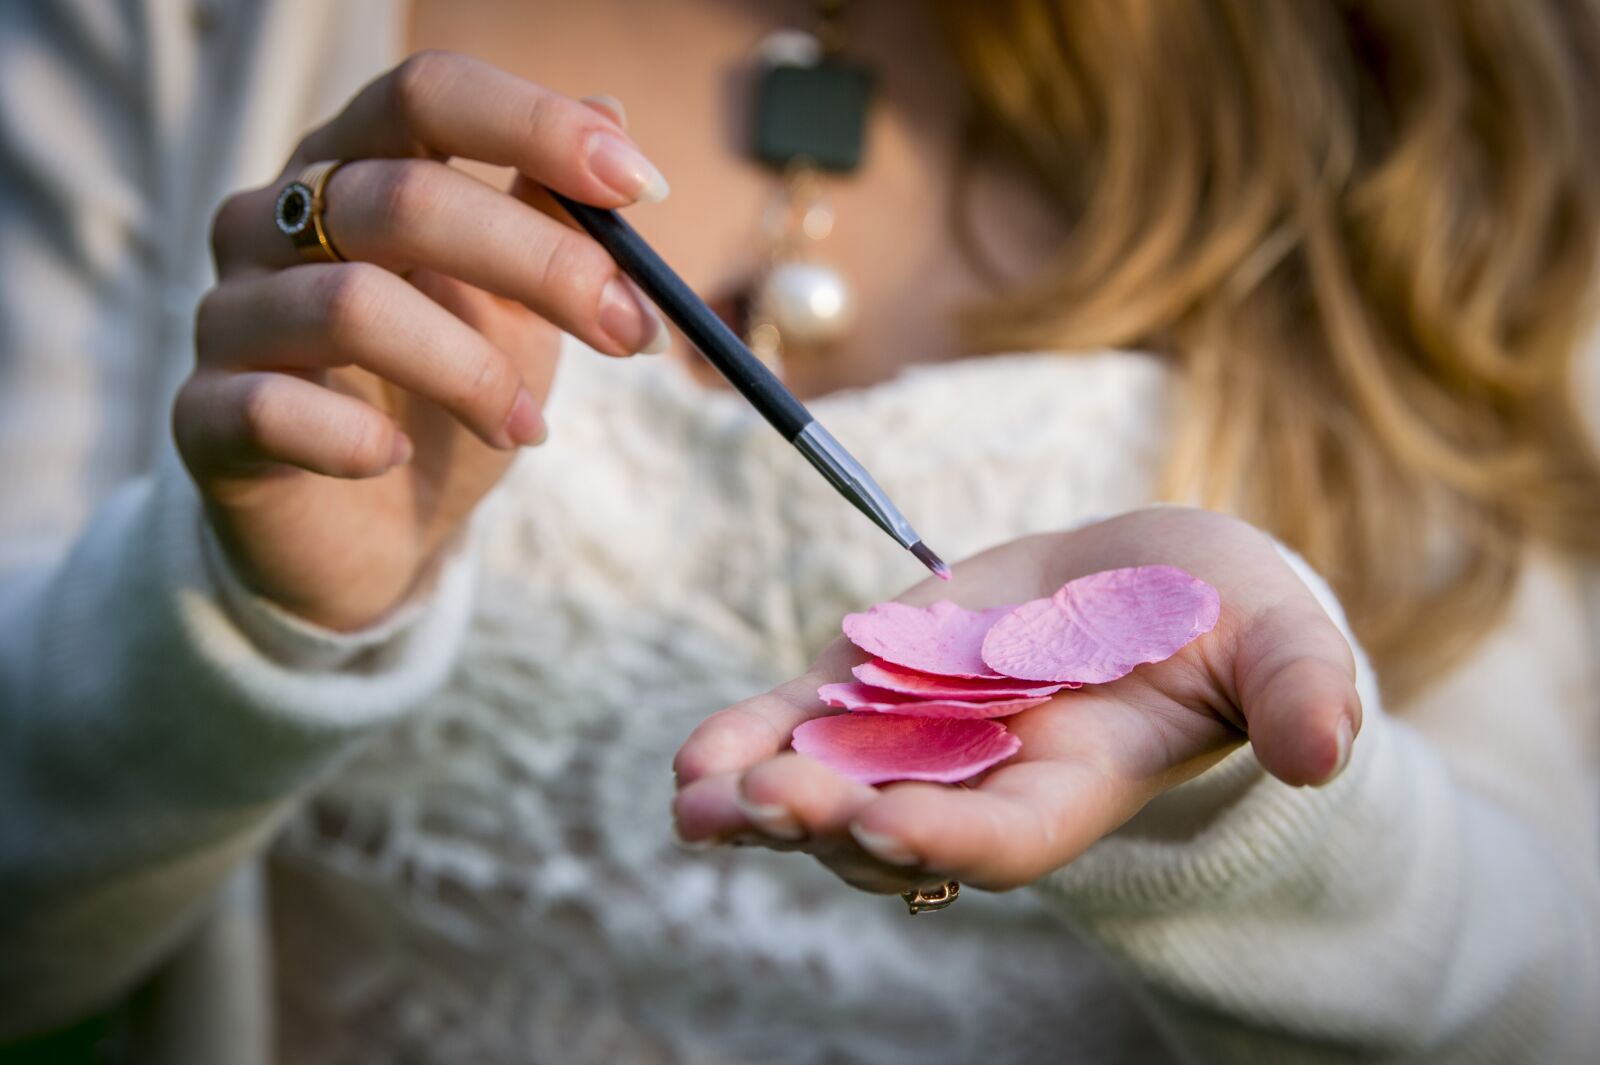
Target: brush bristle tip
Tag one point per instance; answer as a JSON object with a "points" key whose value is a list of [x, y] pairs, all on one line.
{"points": [[934, 563]]}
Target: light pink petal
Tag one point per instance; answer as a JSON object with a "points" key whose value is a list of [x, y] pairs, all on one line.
{"points": [[1098, 628], [942, 638], [890, 677], [864, 697], [874, 748]]}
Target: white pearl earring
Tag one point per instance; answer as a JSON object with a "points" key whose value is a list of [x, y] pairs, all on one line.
{"points": [[798, 301], [807, 302]]}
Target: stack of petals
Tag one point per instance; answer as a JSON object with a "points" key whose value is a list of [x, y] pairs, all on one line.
{"points": [[924, 707]]}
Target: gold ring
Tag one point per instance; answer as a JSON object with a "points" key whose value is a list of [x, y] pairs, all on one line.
{"points": [[298, 213], [920, 901]]}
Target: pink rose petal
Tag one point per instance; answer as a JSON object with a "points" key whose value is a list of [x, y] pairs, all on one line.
{"points": [[1098, 628], [874, 748], [890, 677], [942, 638], [853, 695]]}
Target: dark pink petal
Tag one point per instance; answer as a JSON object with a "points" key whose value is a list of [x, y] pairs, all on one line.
{"points": [[874, 748], [1098, 628], [942, 638], [890, 677], [852, 694], [864, 697]]}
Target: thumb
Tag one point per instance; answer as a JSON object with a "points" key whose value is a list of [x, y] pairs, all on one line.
{"points": [[1295, 676], [607, 105]]}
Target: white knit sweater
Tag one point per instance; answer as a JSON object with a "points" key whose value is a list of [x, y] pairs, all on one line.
{"points": [[473, 860]]}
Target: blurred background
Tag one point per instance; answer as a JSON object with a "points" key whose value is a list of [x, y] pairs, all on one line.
{"points": [[124, 124]]}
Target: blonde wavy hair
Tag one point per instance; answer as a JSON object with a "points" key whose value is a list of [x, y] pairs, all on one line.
{"points": [[1366, 231]]}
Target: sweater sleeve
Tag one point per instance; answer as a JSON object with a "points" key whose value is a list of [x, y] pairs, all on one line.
{"points": [[155, 725], [156, 720], [1440, 901]]}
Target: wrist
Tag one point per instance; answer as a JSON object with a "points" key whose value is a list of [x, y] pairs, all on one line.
{"points": [[302, 638], [329, 591]]}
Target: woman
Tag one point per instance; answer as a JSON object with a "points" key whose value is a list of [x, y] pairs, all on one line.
{"points": [[1357, 273]]}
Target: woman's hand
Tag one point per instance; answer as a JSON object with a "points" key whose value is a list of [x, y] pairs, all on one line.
{"points": [[1275, 669], [343, 419]]}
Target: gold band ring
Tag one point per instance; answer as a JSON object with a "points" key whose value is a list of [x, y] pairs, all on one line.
{"points": [[298, 213], [920, 901]]}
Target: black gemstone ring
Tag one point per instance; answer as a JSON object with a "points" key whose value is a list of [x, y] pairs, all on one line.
{"points": [[298, 213]]}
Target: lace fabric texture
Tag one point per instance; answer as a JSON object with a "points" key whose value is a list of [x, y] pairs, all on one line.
{"points": [[495, 880]]}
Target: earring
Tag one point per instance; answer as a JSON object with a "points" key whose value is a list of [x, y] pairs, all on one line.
{"points": [[810, 118], [799, 301]]}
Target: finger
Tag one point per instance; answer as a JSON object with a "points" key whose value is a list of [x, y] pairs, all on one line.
{"points": [[230, 424], [532, 344], [756, 729], [1296, 681], [734, 739], [713, 810], [536, 195], [708, 809], [442, 104], [609, 106], [1023, 821], [863, 872], [418, 213], [540, 199], [324, 316], [792, 797]]}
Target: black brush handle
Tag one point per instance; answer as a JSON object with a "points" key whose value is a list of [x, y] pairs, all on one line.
{"points": [[721, 347]]}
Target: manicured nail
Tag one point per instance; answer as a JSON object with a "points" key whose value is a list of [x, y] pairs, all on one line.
{"points": [[1345, 734], [524, 425], [774, 820], [886, 849], [624, 168], [693, 846], [402, 451], [627, 320], [660, 340], [610, 105]]}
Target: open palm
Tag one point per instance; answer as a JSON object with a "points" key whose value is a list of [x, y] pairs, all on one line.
{"points": [[1275, 671]]}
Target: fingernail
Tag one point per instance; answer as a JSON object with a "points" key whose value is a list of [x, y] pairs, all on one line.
{"points": [[660, 340], [886, 849], [626, 319], [402, 451], [610, 105], [693, 846], [774, 820], [624, 168], [1345, 734], [524, 425]]}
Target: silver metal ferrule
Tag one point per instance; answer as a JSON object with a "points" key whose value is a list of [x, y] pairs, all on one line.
{"points": [[854, 482]]}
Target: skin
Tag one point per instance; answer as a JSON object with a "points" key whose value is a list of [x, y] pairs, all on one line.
{"points": [[683, 68], [1275, 668], [343, 420]]}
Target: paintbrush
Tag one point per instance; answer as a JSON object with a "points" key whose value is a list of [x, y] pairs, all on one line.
{"points": [[748, 375]]}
